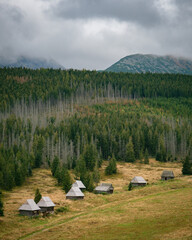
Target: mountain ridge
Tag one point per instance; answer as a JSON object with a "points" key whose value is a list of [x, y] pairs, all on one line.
{"points": [[141, 63], [32, 63]]}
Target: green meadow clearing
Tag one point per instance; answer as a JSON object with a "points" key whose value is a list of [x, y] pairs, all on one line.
{"points": [[161, 210]]}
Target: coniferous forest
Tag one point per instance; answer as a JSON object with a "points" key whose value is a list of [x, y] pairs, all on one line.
{"points": [[69, 119]]}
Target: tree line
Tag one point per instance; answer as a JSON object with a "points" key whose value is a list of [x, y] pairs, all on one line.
{"points": [[31, 86], [71, 115]]}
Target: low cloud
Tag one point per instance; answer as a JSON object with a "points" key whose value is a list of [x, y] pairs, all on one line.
{"points": [[96, 33]]}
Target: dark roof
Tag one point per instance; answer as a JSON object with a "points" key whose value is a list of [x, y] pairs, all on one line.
{"points": [[167, 173]]}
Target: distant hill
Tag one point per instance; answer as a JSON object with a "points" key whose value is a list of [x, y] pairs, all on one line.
{"points": [[33, 63], [140, 63]]}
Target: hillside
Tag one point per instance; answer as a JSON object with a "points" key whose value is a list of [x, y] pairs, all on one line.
{"points": [[75, 123], [32, 63], [158, 211], [141, 63]]}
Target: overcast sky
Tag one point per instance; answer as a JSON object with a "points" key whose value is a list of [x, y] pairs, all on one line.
{"points": [[94, 34]]}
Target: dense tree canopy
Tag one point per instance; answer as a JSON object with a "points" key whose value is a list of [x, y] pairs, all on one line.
{"points": [[75, 119]]}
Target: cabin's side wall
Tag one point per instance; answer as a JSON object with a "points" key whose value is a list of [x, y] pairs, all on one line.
{"points": [[138, 184], [72, 197], [29, 213], [47, 209], [166, 178]]}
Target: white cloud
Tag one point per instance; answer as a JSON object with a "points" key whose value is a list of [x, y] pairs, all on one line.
{"points": [[94, 38]]}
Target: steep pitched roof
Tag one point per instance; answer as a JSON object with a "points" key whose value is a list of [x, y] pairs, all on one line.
{"points": [[104, 187], [78, 184], [74, 192], [45, 202], [138, 179], [167, 173], [30, 205]]}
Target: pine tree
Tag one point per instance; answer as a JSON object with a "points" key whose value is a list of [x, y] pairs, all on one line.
{"points": [[90, 156], [130, 155], [38, 146], [130, 186], [54, 165], [1, 205], [96, 174], [89, 182], [186, 170], [80, 170], [66, 179], [112, 167], [146, 158], [37, 196], [58, 175]]}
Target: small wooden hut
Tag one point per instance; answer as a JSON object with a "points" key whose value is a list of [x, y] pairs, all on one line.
{"points": [[46, 205], [138, 181], [79, 184], [104, 188], [30, 208], [75, 193], [166, 175]]}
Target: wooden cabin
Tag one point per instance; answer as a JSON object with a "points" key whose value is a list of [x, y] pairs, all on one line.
{"points": [[166, 175], [79, 184], [46, 205], [75, 193], [30, 208], [138, 181], [104, 188]]}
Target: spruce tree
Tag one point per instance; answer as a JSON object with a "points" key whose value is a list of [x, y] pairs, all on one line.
{"points": [[90, 156], [130, 155], [186, 170], [37, 196], [112, 167], [146, 158], [96, 174], [81, 170], [54, 165], [89, 182], [66, 179], [130, 186]]}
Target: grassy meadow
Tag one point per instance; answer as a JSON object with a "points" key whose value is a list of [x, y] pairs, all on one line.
{"points": [[161, 210]]}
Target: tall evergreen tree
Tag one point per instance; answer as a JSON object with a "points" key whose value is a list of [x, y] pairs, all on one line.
{"points": [[112, 167], [187, 168], [130, 155], [66, 179], [38, 146], [146, 157], [90, 156], [88, 181], [54, 165], [96, 174], [38, 196]]}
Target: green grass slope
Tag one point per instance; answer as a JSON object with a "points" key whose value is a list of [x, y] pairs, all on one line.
{"points": [[162, 210]]}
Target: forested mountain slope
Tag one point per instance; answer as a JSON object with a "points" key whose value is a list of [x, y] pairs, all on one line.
{"points": [[141, 63], [68, 114]]}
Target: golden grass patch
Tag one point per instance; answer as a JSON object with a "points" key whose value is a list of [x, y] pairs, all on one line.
{"points": [[157, 211]]}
